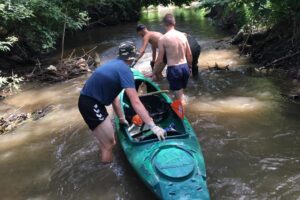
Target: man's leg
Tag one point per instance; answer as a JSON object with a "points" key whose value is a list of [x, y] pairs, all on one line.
{"points": [[175, 82], [106, 137], [158, 71], [179, 95], [195, 69], [185, 74]]}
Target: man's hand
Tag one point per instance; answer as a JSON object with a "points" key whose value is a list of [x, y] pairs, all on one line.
{"points": [[159, 132], [154, 77], [148, 75], [123, 121]]}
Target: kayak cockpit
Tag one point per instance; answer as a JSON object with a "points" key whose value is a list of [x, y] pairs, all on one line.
{"points": [[160, 110]]}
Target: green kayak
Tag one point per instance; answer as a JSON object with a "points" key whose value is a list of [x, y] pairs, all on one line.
{"points": [[173, 168]]}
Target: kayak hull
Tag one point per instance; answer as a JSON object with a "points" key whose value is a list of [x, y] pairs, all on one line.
{"points": [[173, 168]]}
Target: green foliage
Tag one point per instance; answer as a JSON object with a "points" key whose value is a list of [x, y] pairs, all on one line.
{"points": [[165, 2], [259, 12], [7, 43], [38, 23], [113, 11], [13, 83], [3, 80], [10, 84]]}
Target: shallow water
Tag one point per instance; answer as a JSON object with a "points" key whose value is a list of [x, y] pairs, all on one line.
{"points": [[249, 134]]}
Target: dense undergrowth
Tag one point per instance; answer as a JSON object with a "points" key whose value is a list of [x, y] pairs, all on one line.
{"points": [[30, 27], [34, 27], [267, 30]]}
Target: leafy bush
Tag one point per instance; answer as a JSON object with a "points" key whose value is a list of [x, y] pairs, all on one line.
{"points": [[165, 2], [259, 12], [10, 84], [8, 43], [37, 23]]}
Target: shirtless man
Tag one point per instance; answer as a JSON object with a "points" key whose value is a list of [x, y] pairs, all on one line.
{"points": [[175, 46], [151, 37]]}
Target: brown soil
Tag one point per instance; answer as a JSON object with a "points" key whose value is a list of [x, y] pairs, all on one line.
{"points": [[274, 48]]}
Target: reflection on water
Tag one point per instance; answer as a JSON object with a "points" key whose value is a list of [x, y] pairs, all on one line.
{"points": [[248, 132], [223, 58], [227, 105]]}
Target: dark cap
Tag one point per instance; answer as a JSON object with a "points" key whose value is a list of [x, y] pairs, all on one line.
{"points": [[140, 27], [127, 51], [169, 20]]}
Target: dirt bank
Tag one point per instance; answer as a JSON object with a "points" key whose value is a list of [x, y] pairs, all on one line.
{"points": [[270, 49]]}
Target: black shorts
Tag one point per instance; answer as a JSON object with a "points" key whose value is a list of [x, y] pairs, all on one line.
{"points": [[92, 111]]}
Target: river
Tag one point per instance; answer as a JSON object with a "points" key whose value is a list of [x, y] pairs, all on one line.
{"points": [[248, 132]]}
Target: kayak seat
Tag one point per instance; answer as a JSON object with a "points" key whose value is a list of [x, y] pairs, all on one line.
{"points": [[158, 109]]}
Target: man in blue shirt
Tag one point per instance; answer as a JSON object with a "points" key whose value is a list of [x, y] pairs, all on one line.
{"points": [[102, 89]]}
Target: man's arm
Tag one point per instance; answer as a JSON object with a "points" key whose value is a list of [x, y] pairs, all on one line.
{"points": [[117, 109], [138, 106], [143, 113], [188, 54], [160, 58], [144, 46], [153, 53]]}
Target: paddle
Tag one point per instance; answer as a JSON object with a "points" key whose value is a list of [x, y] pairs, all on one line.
{"points": [[153, 93]]}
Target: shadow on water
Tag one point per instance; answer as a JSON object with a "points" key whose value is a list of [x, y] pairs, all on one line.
{"points": [[249, 134]]}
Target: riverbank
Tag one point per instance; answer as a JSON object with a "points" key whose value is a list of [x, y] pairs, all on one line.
{"points": [[272, 48]]}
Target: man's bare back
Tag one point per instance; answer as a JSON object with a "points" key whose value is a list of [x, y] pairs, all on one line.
{"points": [[153, 38], [174, 45]]}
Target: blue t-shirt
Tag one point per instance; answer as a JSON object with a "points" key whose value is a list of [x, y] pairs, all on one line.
{"points": [[108, 80]]}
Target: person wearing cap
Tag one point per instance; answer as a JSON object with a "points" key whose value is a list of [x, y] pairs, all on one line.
{"points": [[149, 37], [102, 89], [175, 46]]}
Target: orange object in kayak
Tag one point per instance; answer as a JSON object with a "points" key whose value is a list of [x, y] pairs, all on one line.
{"points": [[137, 120], [178, 108]]}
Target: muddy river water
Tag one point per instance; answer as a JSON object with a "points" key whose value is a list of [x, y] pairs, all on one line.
{"points": [[248, 132]]}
